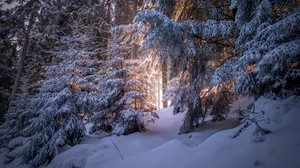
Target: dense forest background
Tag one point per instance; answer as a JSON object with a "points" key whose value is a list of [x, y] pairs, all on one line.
{"points": [[107, 62]]}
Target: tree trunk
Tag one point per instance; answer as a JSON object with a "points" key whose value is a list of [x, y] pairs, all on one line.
{"points": [[134, 47], [158, 90], [23, 55], [134, 7], [164, 70], [191, 120]]}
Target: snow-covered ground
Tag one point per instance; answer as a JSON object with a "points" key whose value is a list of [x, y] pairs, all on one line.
{"points": [[211, 146]]}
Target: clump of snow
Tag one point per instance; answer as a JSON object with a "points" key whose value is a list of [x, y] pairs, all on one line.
{"points": [[9, 157], [16, 142]]}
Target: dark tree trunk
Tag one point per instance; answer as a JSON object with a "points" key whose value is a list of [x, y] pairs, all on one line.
{"points": [[23, 55], [164, 82]]}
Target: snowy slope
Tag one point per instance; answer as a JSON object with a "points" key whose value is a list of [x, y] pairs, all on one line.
{"points": [[162, 147], [93, 151], [208, 147]]}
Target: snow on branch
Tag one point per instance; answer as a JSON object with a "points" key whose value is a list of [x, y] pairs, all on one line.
{"points": [[208, 28], [263, 15]]}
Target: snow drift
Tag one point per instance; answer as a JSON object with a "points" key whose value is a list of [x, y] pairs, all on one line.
{"points": [[208, 147]]}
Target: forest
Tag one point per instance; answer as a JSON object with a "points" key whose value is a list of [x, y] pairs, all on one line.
{"points": [[72, 68]]}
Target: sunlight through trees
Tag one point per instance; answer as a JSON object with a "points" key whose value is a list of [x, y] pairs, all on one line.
{"points": [[112, 63]]}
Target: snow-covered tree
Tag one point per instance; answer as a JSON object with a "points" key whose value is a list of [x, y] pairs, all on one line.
{"points": [[19, 36], [123, 87], [183, 47], [7, 53], [267, 49], [69, 35]]}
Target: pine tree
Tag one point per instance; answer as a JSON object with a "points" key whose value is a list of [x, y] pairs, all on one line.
{"points": [[267, 49], [123, 87], [189, 47], [53, 115], [7, 54], [19, 20]]}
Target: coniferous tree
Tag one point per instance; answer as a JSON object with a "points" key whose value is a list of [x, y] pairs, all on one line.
{"points": [[267, 49], [19, 33], [124, 88], [7, 54], [68, 34], [189, 48]]}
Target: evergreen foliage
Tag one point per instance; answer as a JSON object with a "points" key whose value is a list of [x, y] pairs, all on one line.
{"points": [[54, 115], [180, 45], [123, 88], [71, 78], [268, 44], [6, 61], [80, 68]]}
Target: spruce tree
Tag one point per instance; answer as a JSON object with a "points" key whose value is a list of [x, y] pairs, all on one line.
{"points": [[267, 49], [189, 48], [68, 34], [123, 88], [7, 55]]}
